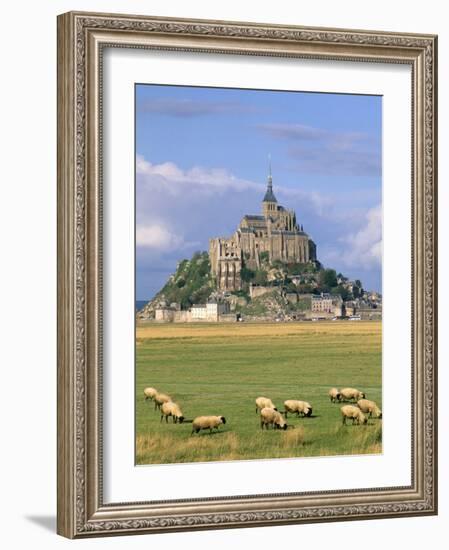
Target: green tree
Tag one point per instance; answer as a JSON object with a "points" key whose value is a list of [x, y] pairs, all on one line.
{"points": [[328, 278], [246, 274], [341, 291], [260, 277], [357, 289]]}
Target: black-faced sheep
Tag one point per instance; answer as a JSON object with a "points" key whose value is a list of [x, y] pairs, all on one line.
{"points": [[160, 398], [149, 393], [172, 409], [354, 413], [369, 407], [351, 394], [299, 407], [264, 402], [334, 395], [207, 422], [271, 417]]}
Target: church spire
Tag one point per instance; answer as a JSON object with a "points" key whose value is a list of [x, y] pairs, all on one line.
{"points": [[269, 195], [270, 178]]}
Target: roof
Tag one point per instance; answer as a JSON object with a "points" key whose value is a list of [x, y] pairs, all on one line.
{"points": [[269, 195], [323, 296]]}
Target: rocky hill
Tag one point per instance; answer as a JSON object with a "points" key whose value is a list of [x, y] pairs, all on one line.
{"points": [[191, 284], [275, 290]]}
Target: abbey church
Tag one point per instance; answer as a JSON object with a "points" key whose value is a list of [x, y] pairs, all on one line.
{"points": [[275, 233]]}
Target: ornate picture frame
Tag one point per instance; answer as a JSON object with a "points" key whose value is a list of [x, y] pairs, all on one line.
{"points": [[82, 38]]}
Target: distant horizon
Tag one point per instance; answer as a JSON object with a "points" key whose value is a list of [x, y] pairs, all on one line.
{"points": [[202, 162]]}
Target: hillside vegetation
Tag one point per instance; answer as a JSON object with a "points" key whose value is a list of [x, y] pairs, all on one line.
{"points": [[193, 283]]}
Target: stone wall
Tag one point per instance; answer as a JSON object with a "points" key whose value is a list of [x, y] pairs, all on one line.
{"points": [[227, 318], [182, 316], [164, 315], [255, 291]]}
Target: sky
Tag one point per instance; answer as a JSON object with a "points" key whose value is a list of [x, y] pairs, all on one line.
{"points": [[202, 164]]}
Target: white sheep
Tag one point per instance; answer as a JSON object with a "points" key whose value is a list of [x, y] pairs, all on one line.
{"points": [[160, 398], [298, 407], [149, 393], [349, 394], [271, 417], [353, 412], [369, 407], [334, 395], [207, 422], [172, 409], [264, 402]]}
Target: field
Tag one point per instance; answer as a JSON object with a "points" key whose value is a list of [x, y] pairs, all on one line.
{"points": [[220, 369]]}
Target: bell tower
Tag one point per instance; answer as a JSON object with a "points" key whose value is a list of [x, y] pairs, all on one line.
{"points": [[269, 203]]}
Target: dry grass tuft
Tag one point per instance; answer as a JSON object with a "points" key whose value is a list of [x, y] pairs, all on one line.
{"points": [[162, 448], [293, 438]]}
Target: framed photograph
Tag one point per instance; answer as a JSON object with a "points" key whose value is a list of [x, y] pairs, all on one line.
{"points": [[246, 274]]}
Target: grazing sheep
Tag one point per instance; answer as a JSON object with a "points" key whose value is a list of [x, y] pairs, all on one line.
{"points": [[349, 394], [160, 398], [264, 402], [369, 407], [353, 412], [149, 393], [172, 409], [334, 395], [269, 416], [207, 422], [298, 407]]}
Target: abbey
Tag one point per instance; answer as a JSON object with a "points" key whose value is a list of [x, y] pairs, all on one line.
{"points": [[275, 233]]}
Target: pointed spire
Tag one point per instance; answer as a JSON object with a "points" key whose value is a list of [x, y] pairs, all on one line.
{"points": [[269, 195], [270, 177]]}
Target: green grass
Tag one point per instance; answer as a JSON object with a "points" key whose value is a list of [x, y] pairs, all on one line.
{"points": [[221, 369]]}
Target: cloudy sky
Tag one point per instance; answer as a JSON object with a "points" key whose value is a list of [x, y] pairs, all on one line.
{"points": [[202, 161]]}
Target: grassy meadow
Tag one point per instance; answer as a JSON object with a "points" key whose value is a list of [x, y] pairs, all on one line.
{"points": [[220, 369]]}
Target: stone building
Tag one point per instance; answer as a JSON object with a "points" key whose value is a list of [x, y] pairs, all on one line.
{"points": [[275, 233], [164, 314], [209, 312], [322, 303], [212, 312]]}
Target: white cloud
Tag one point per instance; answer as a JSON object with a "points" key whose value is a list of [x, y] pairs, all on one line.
{"points": [[175, 179], [168, 177], [364, 247], [158, 237]]}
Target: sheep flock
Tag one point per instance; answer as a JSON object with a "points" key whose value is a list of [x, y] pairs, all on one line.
{"points": [[357, 409]]}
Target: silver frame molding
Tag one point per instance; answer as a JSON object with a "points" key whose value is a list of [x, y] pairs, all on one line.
{"points": [[81, 39]]}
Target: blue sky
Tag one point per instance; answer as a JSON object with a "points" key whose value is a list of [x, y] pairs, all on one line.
{"points": [[201, 164]]}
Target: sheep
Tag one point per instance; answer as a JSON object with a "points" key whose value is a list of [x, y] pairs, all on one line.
{"points": [[160, 398], [370, 407], [334, 395], [348, 394], [351, 411], [298, 407], [149, 393], [172, 409], [205, 422], [264, 402], [269, 416]]}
